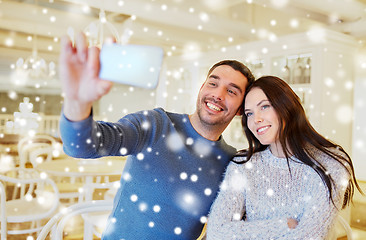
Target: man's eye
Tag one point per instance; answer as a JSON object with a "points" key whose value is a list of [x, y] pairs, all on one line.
{"points": [[212, 84], [231, 92]]}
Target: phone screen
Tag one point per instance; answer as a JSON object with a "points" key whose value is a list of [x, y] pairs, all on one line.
{"points": [[135, 65]]}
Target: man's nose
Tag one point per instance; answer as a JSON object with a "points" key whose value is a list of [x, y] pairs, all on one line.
{"points": [[219, 94]]}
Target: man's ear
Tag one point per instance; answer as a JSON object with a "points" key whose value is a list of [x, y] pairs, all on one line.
{"points": [[240, 111]]}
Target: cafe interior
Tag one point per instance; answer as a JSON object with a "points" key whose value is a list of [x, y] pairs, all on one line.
{"points": [[318, 47]]}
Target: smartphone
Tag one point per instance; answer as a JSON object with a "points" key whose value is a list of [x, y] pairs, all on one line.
{"points": [[134, 65]]}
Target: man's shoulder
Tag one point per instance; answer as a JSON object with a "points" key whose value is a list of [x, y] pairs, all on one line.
{"points": [[159, 111], [154, 117]]}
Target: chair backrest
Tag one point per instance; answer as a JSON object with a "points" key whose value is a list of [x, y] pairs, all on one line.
{"points": [[90, 189], [37, 199], [32, 147], [202, 236], [346, 226], [57, 222], [3, 212]]}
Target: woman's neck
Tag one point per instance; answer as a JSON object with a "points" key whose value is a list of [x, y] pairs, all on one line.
{"points": [[277, 150]]}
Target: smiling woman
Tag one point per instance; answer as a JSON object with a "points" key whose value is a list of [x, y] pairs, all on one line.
{"points": [[291, 182], [262, 119]]}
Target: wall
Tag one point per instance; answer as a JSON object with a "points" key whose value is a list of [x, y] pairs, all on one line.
{"points": [[359, 126], [330, 102]]}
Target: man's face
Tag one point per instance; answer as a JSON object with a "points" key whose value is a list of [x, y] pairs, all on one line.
{"points": [[221, 96]]}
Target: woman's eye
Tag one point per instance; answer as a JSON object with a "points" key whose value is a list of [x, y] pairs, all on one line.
{"points": [[265, 106], [248, 114]]}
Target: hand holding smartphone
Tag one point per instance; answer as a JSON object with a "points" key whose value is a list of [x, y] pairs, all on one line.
{"points": [[135, 65]]}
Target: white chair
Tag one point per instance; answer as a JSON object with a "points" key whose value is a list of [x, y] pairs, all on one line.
{"points": [[106, 191], [40, 148], [35, 149], [94, 223], [55, 226], [346, 227], [202, 236], [36, 201], [3, 223]]}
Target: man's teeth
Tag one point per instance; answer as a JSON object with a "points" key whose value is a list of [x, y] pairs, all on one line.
{"points": [[262, 129], [213, 107]]}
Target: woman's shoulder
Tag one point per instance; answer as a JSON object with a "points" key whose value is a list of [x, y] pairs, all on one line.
{"points": [[335, 161], [241, 162], [329, 154], [242, 156]]}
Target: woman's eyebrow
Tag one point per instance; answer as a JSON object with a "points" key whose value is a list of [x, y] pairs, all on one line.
{"points": [[262, 101]]}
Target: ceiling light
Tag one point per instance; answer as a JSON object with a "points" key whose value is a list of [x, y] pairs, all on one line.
{"points": [[33, 67], [97, 30], [9, 42]]}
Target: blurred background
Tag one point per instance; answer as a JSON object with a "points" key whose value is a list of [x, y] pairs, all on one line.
{"points": [[319, 47]]}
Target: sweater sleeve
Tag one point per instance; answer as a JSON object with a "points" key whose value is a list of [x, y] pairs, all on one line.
{"points": [[320, 212], [316, 218], [225, 220], [93, 139]]}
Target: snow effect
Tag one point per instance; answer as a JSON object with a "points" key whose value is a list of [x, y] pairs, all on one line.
{"points": [[174, 142], [188, 201]]}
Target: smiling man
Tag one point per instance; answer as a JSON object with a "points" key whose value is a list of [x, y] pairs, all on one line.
{"points": [[175, 161], [219, 98]]}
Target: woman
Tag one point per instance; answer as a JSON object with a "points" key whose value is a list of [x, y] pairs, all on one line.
{"points": [[290, 183]]}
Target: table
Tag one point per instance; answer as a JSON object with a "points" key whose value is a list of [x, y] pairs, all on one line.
{"points": [[8, 143], [9, 138], [75, 167], [86, 169], [8, 151]]}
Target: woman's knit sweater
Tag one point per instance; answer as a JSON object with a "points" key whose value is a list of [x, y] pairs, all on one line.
{"points": [[257, 198]]}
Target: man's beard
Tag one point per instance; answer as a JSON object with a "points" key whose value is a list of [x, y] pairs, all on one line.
{"points": [[208, 121]]}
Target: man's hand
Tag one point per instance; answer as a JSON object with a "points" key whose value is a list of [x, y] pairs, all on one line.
{"points": [[78, 70], [292, 223]]}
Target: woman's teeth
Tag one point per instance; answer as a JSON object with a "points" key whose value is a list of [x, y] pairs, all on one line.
{"points": [[262, 129]]}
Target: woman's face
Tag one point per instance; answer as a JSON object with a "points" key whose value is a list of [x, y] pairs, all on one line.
{"points": [[262, 119]]}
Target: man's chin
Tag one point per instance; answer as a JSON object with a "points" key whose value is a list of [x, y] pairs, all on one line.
{"points": [[211, 120]]}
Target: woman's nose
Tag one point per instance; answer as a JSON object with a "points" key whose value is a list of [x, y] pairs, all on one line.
{"points": [[258, 118]]}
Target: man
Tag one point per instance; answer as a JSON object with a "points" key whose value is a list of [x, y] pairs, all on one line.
{"points": [[176, 161]]}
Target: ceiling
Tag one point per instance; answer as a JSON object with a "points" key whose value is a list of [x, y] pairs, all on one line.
{"points": [[178, 26]]}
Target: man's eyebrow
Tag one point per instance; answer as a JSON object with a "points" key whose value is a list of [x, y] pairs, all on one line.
{"points": [[231, 84], [214, 76], [236, 86]]}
